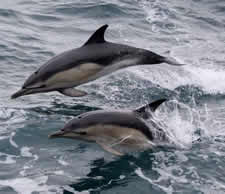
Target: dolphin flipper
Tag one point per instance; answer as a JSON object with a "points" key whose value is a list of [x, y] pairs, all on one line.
{"points": [[73, 92], [109, 149]]}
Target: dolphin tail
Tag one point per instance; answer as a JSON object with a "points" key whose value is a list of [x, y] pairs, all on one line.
{"points": [[171, 61]]}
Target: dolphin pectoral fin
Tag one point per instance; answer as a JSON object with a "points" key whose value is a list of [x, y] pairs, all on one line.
{"points": [[73, 92], [110, 149]]}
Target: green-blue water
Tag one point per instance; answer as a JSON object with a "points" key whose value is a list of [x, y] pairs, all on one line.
{"points": [[193, 32]]}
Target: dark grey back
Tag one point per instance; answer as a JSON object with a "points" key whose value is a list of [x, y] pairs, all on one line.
{"points": [[122, 119], [102, 53]]}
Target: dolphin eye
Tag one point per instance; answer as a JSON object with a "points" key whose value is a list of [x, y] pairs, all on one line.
{"points": [[43, 86], [81, 132]]}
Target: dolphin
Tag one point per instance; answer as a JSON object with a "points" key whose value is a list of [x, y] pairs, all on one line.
{"points": [[111, 128], [94, 59]]}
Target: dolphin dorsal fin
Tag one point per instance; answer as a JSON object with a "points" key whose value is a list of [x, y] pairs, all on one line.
{"points": [[97, 36], [142, 111]]}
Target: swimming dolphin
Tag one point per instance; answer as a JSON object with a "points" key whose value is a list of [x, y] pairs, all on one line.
{"points": [[96, 58], [111, 128]]}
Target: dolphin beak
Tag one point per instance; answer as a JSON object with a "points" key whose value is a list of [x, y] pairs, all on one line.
{"points": [[65, 133], [19, 93], [56, 134], [28, 91]]}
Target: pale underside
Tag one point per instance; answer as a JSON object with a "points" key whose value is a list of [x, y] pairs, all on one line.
{"points": [[113, 137], [81, 74], [74, 76]]}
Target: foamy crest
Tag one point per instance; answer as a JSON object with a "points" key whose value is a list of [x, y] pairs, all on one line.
{"points": [[211, 80]]}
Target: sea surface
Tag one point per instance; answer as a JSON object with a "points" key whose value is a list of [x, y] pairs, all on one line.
{"points": [[192, 32]]}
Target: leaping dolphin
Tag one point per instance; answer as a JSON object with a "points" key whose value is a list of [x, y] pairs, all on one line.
{"points": [[96, 58], [110, 128]]}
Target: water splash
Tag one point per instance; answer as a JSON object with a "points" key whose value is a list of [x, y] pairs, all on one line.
{"points": [[182, 122]]}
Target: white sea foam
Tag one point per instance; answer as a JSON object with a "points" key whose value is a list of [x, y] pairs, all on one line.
{"points": [[63, 162], [4, 113], [139, 172], [152, 11], [166, 174], [4, 137], [72, 190], [9, 159], [211, 80], [59, 172], [179, 123], [12, 142], [26, 152], [28, 186], [122, 177], [11, 115]]}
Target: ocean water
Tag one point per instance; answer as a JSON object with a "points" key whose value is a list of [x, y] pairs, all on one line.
{"points": [[192, 32]]}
